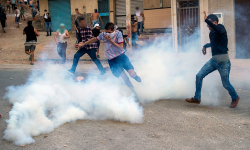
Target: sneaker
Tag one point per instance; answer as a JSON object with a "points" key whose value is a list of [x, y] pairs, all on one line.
{"points": [[137, 78], [193, 100], [235, 103], [30, 59], [71, 72]]}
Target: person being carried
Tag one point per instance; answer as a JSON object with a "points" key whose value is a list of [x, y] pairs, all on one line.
{"points": [[31, 39], [220, 60], [85, 34], [94, 18], [47, 20], [117, 59], [61, 37], [96, 31]]}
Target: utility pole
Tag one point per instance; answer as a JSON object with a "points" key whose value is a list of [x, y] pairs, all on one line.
{"points": [[128, 20]]}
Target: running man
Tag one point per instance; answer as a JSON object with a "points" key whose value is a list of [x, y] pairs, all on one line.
{"points": [[17, 18], [85, 34], [117, 59], [96, 31], [47, 20], [94, 18], [3, 19], [140, 18], [33, 12], [8, 5], [220, 60], [61, 37], [31, 39]]}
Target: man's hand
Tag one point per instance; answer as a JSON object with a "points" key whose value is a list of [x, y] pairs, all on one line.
{"points": [[204, 51], [205, 14], [57, 43], [77, 31], [80, 44], [108, 38]]}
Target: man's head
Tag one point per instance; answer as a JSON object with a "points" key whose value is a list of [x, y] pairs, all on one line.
{"points": [[137, 8], [95, 10], [97, 26], [29, 23], [214, 19], [30, 6], [76, 10], [82, 23], [45, 10], [62, 26], [109, 28]]}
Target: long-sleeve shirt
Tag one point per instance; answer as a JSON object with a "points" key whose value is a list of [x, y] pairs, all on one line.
{"points": [[218, 39], [86, 34]]}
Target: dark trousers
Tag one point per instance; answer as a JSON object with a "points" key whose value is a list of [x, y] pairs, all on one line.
{"points": [[92, 55], [3, 23], [61, 50]]}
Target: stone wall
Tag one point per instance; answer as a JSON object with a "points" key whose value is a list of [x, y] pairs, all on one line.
{"points": [[227, 8]]}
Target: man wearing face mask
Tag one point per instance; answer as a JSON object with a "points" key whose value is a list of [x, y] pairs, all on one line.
{"points": [[220, 60], [85, 34], [117, 59]]}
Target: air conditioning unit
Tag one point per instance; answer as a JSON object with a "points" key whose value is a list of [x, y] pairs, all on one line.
{"points": [[220, 16]]}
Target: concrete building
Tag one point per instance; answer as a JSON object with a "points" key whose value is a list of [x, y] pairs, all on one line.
{"points": [[184, 17]]}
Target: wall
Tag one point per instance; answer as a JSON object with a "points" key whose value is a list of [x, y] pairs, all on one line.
{"points": [[90, 5], [112, 11], [151, 4], [158, 18], [227, 8]]}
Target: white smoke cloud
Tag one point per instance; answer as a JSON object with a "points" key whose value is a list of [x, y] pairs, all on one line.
{"points": [[51, 98]]}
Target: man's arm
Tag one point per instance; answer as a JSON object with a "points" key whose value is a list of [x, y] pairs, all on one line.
{"points": [[93, 40], [24, 33], [37, 34], [207, 45], [143, 17], [100, 18], [91, 18], [55, 37], [120, 45], [67, 35]]}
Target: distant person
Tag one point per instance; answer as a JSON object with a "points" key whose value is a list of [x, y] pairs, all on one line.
{"points": [[125, 39], [33, 12], [134, 33], [22, 12], [77, 27], [13, 5], [31, 39], [3, 19], [8, 5], [220, 60], [117, 59], [61, 37], [31, 3], [17, 16], [25, 2], [78, 14], [140, 18], [85, 34], [38, 5], [94, 18], [47, 20], [96, 31]]}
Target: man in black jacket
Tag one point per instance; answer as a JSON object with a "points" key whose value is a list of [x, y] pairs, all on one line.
{"points": [[220, 60], [3, 19]]}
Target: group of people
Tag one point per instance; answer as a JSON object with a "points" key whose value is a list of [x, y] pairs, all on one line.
{"points": [[88, 42]]}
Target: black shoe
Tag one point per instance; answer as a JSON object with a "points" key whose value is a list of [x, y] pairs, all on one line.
{"points": [[71, 72], [137, 78]]}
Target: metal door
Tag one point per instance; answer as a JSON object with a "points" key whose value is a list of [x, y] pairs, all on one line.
{"points": [[60, 12], [103, 9], [188, 25], [242, 21]]}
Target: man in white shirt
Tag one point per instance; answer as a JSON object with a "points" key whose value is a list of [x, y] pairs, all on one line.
{"points": [[140, 20]]}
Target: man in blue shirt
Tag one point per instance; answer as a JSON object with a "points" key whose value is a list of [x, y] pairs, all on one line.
{"points": [[220, 60]]}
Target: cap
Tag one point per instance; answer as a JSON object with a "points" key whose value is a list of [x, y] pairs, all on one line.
{"points": [[96, 25]]}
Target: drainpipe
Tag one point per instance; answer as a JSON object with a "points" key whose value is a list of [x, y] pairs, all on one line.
{"points": [[128, 20]]}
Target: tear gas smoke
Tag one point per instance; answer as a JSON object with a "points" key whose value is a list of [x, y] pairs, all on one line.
{"points": [[51, 98]]}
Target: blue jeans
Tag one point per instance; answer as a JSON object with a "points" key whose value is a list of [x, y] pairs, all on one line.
{"points": [[8, 8], [134, 38], [224, 70], [48, 27], [92, 55], [139, 26], [95, 22]]}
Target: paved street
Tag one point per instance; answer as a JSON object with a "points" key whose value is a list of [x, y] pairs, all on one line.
{"points": [[168, 124]]}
